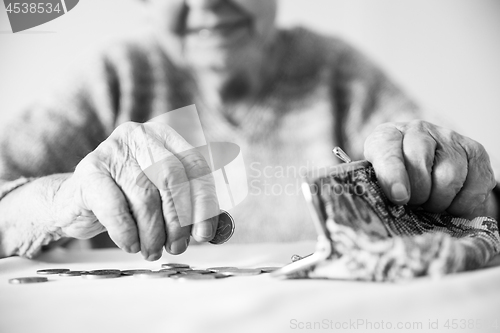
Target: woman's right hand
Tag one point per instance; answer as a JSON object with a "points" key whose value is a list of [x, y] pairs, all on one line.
{"points": [[142, 204]]}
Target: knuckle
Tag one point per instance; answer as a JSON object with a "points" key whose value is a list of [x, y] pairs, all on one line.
{"points": [[92, 163], [478, 151], [195, 164], [471, 146], [447, 136], [418, 124], [385, 127], [492, 183], [452, 178], [172, 171], [125, 128], [393, 158], [416, 158]]}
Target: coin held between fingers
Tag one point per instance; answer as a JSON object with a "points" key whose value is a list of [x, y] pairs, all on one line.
{"points": [[225, 228]]}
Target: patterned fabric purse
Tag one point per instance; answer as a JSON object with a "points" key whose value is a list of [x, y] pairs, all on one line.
{"points": [[373, 239]]}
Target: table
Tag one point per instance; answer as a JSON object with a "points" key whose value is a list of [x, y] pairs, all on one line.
{"points": [[239, 304]]}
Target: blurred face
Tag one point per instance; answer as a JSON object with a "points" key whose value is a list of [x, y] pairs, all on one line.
{"points": [[214, 34]]}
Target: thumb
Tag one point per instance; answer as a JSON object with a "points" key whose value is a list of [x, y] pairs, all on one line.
{"points": [[383, 148]]}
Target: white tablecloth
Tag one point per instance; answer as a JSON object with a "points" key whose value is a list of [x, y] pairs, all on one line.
{"points": [[239, 304]]}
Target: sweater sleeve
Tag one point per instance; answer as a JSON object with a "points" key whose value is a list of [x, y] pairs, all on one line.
{"points": [[55, 133], [364, 97]]}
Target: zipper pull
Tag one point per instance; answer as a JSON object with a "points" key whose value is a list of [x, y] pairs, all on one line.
{"points": [[341, 155]]}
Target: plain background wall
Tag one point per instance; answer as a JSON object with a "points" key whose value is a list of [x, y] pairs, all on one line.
{"points": [[445, 53]]}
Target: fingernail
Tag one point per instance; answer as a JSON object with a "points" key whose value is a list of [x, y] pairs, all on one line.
{"points": [[154, 257], [135, 248], [179, 246], [399, 192], [204, 230]]}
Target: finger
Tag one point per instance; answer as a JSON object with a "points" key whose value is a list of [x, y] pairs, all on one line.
{"points": [[418, 150], [145, 205], [172, 186], [448, 176], [169, 176], [178, 236], [203, 195], [103, 197], [164, 170], [383, 148], [478, 184], [202, 186]]}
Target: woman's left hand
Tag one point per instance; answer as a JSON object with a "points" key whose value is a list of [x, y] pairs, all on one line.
{"points": [[421, 164]]}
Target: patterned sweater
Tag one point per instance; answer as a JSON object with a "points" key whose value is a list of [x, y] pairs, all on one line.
{"points": [[324, 94]]}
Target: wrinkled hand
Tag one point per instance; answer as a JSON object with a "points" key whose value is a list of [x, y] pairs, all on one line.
{"points": [[147, 187], [425, 165]]}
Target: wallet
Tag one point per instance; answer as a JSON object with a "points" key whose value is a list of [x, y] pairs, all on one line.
{"points": [[364, 236]]}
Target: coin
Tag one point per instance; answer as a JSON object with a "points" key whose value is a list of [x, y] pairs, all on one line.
{"points": [[217, 269], [24, 280], [196, 277], [181, 269], [52, 271], [177, 275], [225, 228], [154, 275], [174, 271], [108, 271], [220, 275], [174, 265], [198, 271], [101, 275], [268, 269], [242, 272], [73, 273], [135, 271]]}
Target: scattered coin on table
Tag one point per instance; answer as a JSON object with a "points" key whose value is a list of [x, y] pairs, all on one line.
{"points": [[217, 269], [92, 275], [175, 265], [73, 273], [174, 271], [25, 280], [220, 276], [196, 277], [105, 271], [52, 271], [135, 271], [269, 269], [154, 275], [198, 271], [242, 272], [169, 270], [181, 269]]}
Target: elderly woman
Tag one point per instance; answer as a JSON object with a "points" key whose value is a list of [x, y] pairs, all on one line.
{"points": [[286, 97]]}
